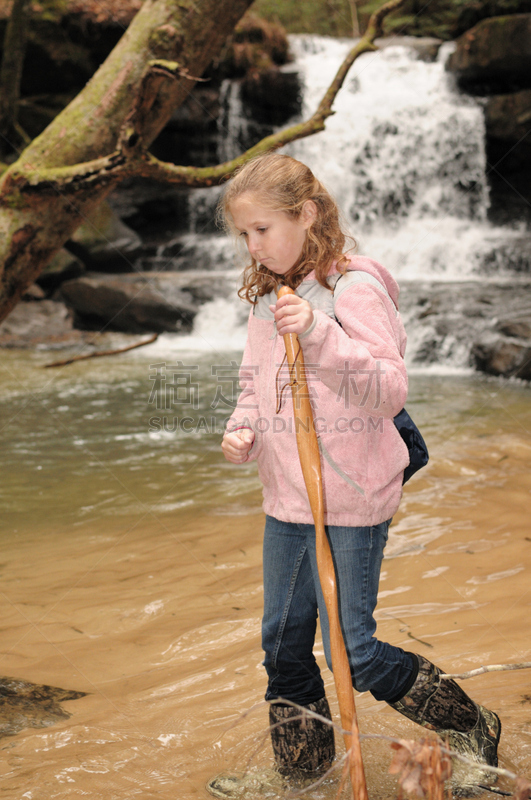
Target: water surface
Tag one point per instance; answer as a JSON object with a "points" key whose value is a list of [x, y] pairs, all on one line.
{"points": [[131, 570]]}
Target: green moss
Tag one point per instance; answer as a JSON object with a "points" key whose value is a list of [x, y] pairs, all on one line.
{"points": [[327, 17], [14, 200], [166, 40], [445, 19], [53, 10]]}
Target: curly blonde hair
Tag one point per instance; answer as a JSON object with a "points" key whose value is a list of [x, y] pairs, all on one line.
{"points": [[285, 184]]}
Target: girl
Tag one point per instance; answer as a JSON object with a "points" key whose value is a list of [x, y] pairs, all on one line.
{"points": [[346, 316]]}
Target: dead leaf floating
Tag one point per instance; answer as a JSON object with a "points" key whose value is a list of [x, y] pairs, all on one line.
{"points": [[422, 767], [522, 789]]}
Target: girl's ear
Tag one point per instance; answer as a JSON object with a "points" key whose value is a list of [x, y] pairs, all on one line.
{"points": [[308, 214]]}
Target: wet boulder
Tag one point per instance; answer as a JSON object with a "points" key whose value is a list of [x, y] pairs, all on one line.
{"points": [[495, 55], [502, 356], [140, 303], [482, 325], [36, 323], [508, 130], [508, 139], [129, 303], [508, 117]]}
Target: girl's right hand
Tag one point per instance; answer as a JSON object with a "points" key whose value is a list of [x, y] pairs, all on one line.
{"points": [[236, 445]]}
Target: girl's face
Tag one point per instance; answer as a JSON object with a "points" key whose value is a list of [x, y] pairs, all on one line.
{"points": [[273, 238]]}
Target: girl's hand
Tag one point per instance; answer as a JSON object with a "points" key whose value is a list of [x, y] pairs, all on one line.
{"points": [[236, 445], [292, 314]]}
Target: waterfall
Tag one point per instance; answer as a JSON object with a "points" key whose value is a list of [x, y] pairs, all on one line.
{"points": [[404, 155]]}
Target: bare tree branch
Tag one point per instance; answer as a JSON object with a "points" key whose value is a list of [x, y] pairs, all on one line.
{"points": [[100, 353], [461, 676]]}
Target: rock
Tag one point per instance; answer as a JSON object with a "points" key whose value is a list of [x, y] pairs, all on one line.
{"points": [[502, 357], [33, 293], [506, 258], [64, 266], [31, 705], [521, 329], [190, 136], [256, 44], [495, 55], [508, 140], [470, 12], [508, 117], [131, 303], [140, 303], [67, 41], [104, 242], [268, 97], [33, 324], [135, 305], [272, 97], [481, 325]]}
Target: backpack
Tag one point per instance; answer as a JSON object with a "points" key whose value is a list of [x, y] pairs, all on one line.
{"points": [[418, 452]]}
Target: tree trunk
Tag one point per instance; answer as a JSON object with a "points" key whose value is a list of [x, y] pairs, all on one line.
{"points": [[11, 74], [35, 221]]}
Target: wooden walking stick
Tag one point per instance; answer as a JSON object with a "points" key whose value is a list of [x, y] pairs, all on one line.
{"points": [[308, 448]]}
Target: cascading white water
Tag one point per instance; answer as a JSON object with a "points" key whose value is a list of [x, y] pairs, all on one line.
{"points": [[404, 155]]}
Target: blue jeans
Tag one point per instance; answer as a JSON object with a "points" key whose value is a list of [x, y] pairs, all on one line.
{"points": [[292, 599]]}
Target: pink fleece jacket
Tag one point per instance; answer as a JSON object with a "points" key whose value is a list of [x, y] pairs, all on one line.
{"points": [[358, 383]]}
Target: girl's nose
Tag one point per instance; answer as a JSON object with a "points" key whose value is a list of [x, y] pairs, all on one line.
{"points": [[252, 245]]}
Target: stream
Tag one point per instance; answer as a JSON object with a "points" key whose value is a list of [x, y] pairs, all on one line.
{"points": [[131, 571]]}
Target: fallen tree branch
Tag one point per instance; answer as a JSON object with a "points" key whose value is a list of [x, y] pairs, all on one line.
{"points": [[131, 160], [99, 353], [461, 676]]}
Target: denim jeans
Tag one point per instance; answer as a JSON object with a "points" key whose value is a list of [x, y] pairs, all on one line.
{"points": [[293, 598]]}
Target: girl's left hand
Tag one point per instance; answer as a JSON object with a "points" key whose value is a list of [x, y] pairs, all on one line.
{"points": [[292, 314]]}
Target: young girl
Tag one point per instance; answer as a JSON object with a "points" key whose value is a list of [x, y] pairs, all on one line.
{"points": [[345, 313]]}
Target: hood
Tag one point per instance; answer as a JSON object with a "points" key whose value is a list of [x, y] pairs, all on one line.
{"points": [[365, 264]]}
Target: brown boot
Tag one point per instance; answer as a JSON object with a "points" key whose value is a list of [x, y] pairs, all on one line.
{"points": [[440, 705], [302, 745]]}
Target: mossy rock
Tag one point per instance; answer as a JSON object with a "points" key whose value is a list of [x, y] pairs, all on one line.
{"points": [[256, 44], [508, 117], [105, 242], [495, 55]]}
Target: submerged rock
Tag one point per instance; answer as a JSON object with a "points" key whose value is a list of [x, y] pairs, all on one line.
{"points": [[31, 705]]}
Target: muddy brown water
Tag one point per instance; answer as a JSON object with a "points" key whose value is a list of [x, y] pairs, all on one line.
{"points": [[131, 570]]}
